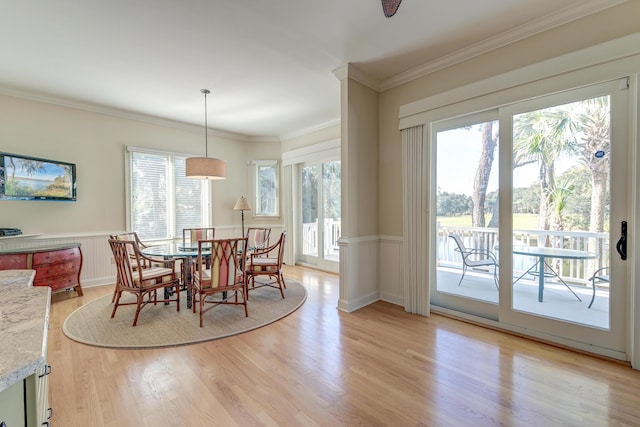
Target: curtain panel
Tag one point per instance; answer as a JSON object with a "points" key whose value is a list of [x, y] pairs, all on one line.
{"points": [[415, 221]]}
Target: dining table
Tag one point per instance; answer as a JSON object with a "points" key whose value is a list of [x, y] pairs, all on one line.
{"points": [[186, 252], [542, 269]]}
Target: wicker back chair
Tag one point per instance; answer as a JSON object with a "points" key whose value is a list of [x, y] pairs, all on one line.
{"points": [[267, 262], [217, 274], [142, 282], [193, 235]]}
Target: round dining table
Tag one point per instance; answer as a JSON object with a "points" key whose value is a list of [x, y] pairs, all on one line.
{"points": [[187, 253]]}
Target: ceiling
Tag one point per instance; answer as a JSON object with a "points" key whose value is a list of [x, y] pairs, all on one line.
{"points": [[269, 64]]}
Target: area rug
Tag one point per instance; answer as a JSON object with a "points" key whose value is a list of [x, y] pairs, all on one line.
{"points": [[162, 326]]}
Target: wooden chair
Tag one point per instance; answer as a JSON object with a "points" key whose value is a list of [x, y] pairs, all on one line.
{"points": [[193, 235], [132, 237], [601, 275], [474, 258], [267, 262], [142, 282], [257, 238], [217, 272]]}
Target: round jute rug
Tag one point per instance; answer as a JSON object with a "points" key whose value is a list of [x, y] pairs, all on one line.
{"points": [[162, 326]]}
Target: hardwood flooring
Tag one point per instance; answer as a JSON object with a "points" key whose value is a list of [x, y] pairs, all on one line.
{"points": [[378, 366]]}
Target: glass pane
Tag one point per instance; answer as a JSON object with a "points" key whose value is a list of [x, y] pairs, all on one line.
{"points": [[267, 203], [467, 211], [189, 199], [331, 209], [561, 211], [149, 195], [309, 187]]}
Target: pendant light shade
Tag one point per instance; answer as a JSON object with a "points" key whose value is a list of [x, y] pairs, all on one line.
{"points": [[205, 167]]}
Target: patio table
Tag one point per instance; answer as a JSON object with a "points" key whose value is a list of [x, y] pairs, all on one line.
{"points": [[542, 253]]}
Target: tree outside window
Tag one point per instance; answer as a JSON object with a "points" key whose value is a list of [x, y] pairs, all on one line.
{"points": [[267, 190]]}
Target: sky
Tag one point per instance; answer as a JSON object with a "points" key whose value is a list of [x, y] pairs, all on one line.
{"points": [[458, 152]]}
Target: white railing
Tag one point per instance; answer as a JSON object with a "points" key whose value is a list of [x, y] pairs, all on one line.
{"points": [[571, 270], [331, 235]]}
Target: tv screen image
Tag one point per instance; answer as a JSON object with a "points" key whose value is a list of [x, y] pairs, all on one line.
{"points": [[32, 178]]}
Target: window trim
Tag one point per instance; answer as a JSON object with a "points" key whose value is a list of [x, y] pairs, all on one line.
{"points": [[206, 190], [256, 164]]}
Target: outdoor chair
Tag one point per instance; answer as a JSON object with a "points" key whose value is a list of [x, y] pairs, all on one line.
{"points": [[218, 277], [474, 258], [267, 262], [599, 276], [144, 283]]}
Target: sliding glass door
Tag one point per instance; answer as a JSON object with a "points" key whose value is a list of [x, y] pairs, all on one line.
{"points": [[534, 194]]}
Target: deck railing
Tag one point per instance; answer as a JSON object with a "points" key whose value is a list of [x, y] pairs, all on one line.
{"points": [[570, 270], [332, 233]]}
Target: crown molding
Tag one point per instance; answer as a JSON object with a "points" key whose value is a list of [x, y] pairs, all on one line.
{"points": [[116, 112], [311, 129], [352, 72], [552, 20]]}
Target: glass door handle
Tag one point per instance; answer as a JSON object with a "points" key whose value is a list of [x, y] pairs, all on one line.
{"points": [[621, 246]]}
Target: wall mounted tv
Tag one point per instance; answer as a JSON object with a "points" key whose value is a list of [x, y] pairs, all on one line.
{"points": [[31, 178]]}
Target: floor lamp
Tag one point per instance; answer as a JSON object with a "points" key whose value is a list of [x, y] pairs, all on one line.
{"points": [[242, 205]]}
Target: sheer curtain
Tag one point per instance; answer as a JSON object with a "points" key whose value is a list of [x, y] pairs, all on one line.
{"points": [[415, 221]]}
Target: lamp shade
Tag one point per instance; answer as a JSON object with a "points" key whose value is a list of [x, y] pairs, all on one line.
{"points": [[206, 168], [242, 205]]}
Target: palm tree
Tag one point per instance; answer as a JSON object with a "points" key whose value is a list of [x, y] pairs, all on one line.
{"points": [[541, 136], [581, 128], [594, 143]]}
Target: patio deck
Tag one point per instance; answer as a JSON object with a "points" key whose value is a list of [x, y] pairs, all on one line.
{"points": [[558, 302]]}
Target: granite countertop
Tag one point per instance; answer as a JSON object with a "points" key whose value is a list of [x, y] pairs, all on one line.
{"points": [[41, 248], [24, 321]]}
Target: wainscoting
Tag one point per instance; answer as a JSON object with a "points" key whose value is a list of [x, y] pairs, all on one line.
{"points": [[370, 270], [97, 259]]}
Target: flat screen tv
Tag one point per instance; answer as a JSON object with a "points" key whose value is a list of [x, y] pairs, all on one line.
{"points": [[32, 178]]}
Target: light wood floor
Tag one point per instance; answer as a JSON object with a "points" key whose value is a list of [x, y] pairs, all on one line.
{"points": [[378, 366]]}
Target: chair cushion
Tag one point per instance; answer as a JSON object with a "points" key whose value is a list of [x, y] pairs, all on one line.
{"points": [[263, 264], [157, 274], [220, 275]]}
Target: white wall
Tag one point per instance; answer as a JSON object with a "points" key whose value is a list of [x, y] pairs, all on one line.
{"points": [[96, 143]]}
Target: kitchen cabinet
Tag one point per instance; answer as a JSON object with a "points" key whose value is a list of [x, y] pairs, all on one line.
{"points": [[24, 371], [26, 403]]}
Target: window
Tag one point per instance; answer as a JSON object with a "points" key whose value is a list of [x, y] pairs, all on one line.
{"points": [[162, 200], [266, 185]]}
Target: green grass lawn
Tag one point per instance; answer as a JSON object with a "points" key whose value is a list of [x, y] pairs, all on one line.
{"points": [[520, 221]]}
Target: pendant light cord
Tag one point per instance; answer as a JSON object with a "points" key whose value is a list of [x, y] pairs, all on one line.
{"points": [[206, 127]]}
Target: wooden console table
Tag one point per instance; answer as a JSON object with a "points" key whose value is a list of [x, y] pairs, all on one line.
{"points": [[57, 266]]}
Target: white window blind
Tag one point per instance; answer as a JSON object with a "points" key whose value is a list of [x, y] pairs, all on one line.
{"points": [[163, 201]]}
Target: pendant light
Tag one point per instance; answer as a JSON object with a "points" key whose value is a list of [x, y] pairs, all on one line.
{"points": [[206, 167]]}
